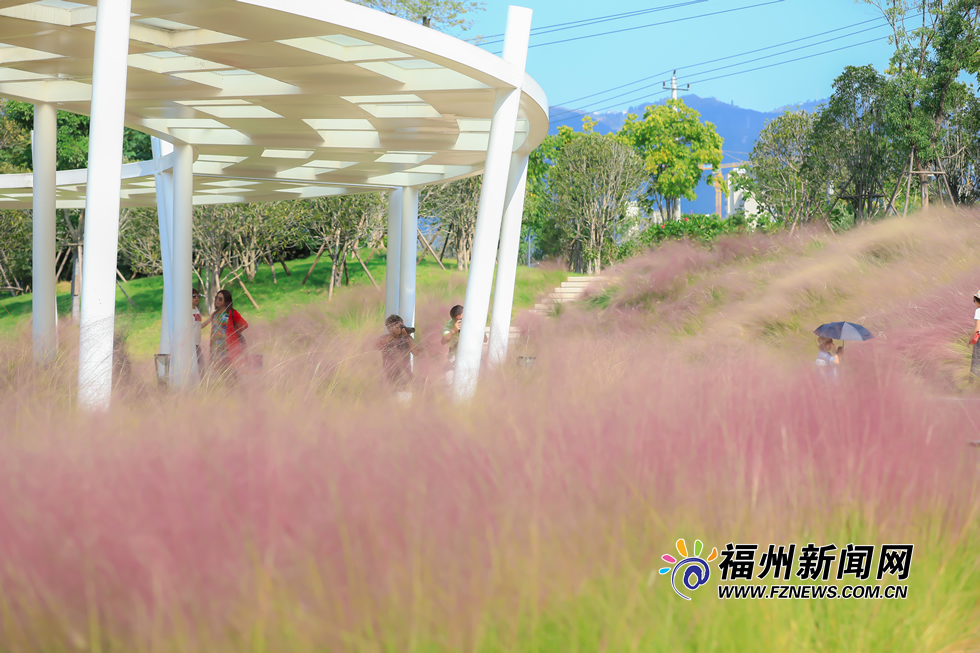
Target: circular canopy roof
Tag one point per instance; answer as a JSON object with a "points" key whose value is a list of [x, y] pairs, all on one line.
{"points": [[280, 98]]}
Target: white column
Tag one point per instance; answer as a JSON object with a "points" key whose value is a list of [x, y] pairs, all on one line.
{"points": [[510, 245], [43, 300], [490, 212], [109, 69], [183, 359], [409, 250], [393, 254], [164, 190]]}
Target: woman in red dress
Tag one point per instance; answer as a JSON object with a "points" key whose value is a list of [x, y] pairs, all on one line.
{"points": [[227, 342]]}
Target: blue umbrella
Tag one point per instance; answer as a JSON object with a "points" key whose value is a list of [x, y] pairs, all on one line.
{"points": [[843, 331]]}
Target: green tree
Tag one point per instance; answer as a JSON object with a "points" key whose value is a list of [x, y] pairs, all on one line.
{"points": [[13, 139], [540, 230], [73, 130], [778, 177], [850, 145], [959, 152], [674, 144], [443, 15], [454, 205], [591, 186], [337, 224], [934, 40]]}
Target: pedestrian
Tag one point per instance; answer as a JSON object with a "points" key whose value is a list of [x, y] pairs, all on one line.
{"points": [[196, 313], [397, 347], [975, 340], [450, 336], [227, 341], [827, 359]]}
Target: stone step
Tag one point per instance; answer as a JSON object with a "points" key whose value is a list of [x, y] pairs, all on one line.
{"points": [[570, 290], [514, 331]]}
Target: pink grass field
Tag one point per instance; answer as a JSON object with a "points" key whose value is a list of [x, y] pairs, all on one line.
{"points": [[307, 510]]}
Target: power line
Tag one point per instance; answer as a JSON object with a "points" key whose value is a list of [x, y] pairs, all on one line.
{"points": [[739, 72], [780, 63], [666, 22], [547, 29], [802, 47], [741, 63], [733, 56]]}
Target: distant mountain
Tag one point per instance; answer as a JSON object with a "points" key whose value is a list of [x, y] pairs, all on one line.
{"points": [[737, 126]]}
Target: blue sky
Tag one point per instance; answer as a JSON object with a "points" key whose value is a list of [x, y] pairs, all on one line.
{"points": [[572, 70]]}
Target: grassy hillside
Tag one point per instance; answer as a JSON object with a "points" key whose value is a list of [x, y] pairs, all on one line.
{"points": [[306, 509], [910, 281], [276, 300]]}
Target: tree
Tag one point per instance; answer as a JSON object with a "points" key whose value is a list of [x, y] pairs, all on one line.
{"points": [[339, 223], [591, 185], [959, 152], [674, 144], [923, 77], [850, 144], [455, 206], [73, 132], [15, 251], [13, 139], [779, 179], [539, 226], [139, 241], [443, 15]]}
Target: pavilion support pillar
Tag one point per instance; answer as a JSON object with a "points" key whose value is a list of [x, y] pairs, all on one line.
{"points": [[183, 358], [409, 249], [393, 253], [164, 189], [109, 68], [510, 245], [503, 126], [44, 302]]}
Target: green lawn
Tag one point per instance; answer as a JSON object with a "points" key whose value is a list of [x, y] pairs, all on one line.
{"points": [[142, 324]]}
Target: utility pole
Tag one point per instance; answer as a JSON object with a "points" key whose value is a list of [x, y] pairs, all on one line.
{"points": [[673, 96], [673, 86]]}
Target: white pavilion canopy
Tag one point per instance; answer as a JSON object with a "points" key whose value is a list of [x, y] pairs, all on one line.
{"points": [[255, 101], [280, 98]]}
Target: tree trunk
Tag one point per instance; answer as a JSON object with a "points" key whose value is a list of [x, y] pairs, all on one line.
{"points": [[76, 277], [7, 283], [272, 268], [335, 263], [908, 189], [319, 253], [445, 243], [214, 285], [366, 270], [282, 261], [924, 190]]}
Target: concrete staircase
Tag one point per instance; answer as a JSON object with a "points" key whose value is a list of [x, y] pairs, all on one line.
{"points": [[569, 291]]}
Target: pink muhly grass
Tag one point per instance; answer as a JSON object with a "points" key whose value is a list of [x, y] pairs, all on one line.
{"points": [[370, 513]]}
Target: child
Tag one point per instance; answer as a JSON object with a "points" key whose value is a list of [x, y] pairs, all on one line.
{"points": [[827, 360], [397, 348], [450, 336]]}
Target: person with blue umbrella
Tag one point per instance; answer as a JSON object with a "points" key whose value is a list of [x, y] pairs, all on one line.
{"points": [[828, 360]]}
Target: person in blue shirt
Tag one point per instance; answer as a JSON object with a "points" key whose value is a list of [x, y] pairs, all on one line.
{"points": [[828, 360]]}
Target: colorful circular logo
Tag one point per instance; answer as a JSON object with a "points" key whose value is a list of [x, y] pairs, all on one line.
{"points": [[695, 571]]}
